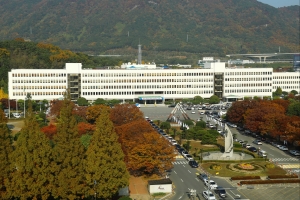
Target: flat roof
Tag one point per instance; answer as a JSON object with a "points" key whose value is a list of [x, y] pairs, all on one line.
{"points": [[160, 182]]}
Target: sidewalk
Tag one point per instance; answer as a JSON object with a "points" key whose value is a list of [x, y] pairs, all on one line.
{"points": [[138, 188]]}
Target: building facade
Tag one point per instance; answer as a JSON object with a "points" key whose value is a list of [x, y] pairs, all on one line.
{"points": [[154, 85]]}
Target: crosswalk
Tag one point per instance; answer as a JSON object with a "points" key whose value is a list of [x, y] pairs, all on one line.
{"points": [[179, 156], [180, 162], [284, 159], [290, 166]]}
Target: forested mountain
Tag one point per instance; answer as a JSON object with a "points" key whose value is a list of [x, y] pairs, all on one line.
{"points": [[205, 27]]}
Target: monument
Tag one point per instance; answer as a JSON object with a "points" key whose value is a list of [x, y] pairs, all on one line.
{"points": [[228, 143]]}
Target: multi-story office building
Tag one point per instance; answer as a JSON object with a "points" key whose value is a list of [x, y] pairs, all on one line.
{"points": [[149, 84]]}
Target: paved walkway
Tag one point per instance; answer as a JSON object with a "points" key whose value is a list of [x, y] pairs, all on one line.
{"points": [[217, 156], [138, 188]]}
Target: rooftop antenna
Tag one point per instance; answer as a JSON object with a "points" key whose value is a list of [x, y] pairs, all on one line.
{"points": [[139, 54]]}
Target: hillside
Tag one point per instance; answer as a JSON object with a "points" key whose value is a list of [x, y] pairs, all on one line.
{"points": [[205, 27]]}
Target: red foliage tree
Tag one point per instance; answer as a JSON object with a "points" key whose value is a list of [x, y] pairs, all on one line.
{"points": [[125, 113], [49, 131], [85, 128], [236, 112]]}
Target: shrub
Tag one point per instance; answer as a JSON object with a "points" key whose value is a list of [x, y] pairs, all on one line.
{"points": [[270, 181], [216, 167], [282, 176], [158, 194], [270, 166], [244, 178]]}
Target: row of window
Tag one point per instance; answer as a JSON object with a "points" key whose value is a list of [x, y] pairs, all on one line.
{"points": [[287, 77], [145, 74], [287, 87], [247, 90], [38, 93], [39, 87], [247, 73], [39, 75], [286, 82], [41, 81], [93, 87], [248, 85], [250, 79], [145, 80], [139, 93]]}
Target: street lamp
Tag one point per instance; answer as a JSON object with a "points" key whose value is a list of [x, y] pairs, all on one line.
{"points": [[95, 195]]}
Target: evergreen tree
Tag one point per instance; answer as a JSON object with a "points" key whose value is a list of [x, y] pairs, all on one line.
{"points": [[5, 151], [69, 155], [105, 169], [32, 161]]}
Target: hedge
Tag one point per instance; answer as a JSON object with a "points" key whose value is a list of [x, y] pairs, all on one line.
{"points": [[244, 178], [282, 176], [270, 181]]}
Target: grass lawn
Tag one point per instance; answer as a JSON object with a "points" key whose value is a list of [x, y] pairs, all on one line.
{"points": [[225, 172]]}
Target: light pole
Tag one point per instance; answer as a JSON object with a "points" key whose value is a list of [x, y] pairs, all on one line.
{"points": [[95, 195]]}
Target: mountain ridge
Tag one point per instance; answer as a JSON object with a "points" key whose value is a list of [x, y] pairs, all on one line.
{"points": [[195, 26]]}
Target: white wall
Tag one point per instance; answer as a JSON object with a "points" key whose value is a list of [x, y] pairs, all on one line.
{"points": [[165, 188]]}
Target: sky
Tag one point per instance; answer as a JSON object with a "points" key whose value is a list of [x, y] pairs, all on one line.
{"points": [[281, 3]]}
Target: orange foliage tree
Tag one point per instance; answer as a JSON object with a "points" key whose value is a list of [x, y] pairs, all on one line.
{"points": [[49, 131], [145, 150], [93, 112], [293, 129], [265, 117], [236, 112], [125, 113], [85, 128], [56, 106]]}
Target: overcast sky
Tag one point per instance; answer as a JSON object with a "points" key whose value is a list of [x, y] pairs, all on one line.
{"points": [[280, 3]]}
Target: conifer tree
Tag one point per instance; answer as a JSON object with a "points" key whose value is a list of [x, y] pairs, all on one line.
{"points": [[5, 151], [105, 169], [32, 161], [69, 155]]}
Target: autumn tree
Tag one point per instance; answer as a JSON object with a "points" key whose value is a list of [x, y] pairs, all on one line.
{"points": [[105, 170], [93, 112], [293, 128], [49, 131], [32, 162], [125, 113], [236, 112], [68, 154], [85, 128], [153, 155], [5, 151]]}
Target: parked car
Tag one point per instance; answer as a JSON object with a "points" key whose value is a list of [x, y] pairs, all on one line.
{"points": [[258, 142], [253, 149], [183, 153], [294, 152], [193, 164], [208, 195], [220, 191], [246, 145], [262, 153], [189, 157], [211, 184], [283, 148], [193, 112]]}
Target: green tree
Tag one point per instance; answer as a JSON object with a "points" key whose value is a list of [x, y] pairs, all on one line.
{"points": [[201, 124], [100, 101], [32, 161], [294, 92], [5, 151], [82, 102], [105, 170], [68, 154], [278, 91], [214, 99], [294, 109], [165, 125], [198, 100]]}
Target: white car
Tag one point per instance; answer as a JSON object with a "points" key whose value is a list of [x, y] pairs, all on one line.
{"points": [[258, 142], [173, 142], [201, 113], [283, 148], [208, 195], [193, 112], [211, 184], [189, 157]]}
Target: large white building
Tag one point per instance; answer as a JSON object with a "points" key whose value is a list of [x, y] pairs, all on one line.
{"points": [[149, 84]]}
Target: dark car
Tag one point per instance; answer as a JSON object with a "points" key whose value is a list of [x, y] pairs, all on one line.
{"points": [[253, 149], [220, 191], [177, 146], [180, 150], [202, 177], [193, 164]]}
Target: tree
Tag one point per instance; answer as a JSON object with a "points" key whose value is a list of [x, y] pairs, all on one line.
{"points": [[201, 124], [5, 151], [125, 113], [165, 125], [294, 109], [68, 154], [49, 131], [294, 92], [278, 92], [214, 99], [100, 101], [82, 101], [198, 100], [85, 128], [105, 170], [32, 162], [93, 112]]}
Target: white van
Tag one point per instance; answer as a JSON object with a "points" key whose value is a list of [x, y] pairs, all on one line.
{"points": [[262, 153]]}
